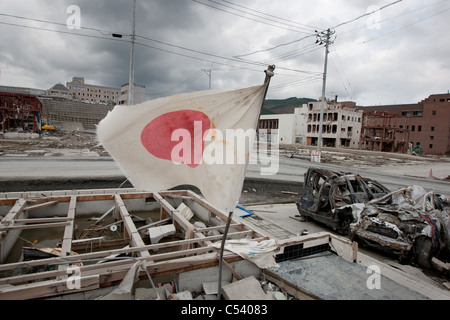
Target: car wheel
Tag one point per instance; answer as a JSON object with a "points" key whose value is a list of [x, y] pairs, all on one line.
{"points": [[422, 249], [345, 226]]}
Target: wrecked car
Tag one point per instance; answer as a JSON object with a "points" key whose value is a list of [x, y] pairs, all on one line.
{"points": [[329, 196], [410, 223]]}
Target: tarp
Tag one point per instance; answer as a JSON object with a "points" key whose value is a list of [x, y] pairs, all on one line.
{"points": [[202, 139], [260, 253]]}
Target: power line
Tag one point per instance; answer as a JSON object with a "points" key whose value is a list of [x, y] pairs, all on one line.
{"points": [[63, 32], [181, 85], [366, 14], [394, 17], [259, 16], [55, 23], [248, 18], [275, 47], [301, 82], [269, 15], [395, 30], [345, 75], [340, 78], [154, 47]]}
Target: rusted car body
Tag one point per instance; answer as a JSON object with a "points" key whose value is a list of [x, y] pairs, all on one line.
{"points": [[328, 196], [410, 223]]}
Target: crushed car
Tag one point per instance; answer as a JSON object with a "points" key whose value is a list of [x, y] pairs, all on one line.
{"points": [[329, 197], [411, 223]]}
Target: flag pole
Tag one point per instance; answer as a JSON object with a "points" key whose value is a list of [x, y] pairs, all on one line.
{"points": [[269, 74]]}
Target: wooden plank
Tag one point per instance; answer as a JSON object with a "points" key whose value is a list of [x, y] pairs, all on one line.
{"points": [[66, 246], [40, 205], [186, 225], [48, 288], [233, 225], [15, 212], [42, 220], [102, 254], [230, 268], [136, 239], [35, 226], [222, 215]]}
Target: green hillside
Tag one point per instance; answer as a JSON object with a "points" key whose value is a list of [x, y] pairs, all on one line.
{"points": [[284, 106]]}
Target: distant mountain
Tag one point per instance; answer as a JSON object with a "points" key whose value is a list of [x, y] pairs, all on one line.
{"points": [[284, 106]]}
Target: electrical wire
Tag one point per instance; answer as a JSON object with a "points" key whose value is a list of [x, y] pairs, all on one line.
{"points": [[394, 17], [275, 47], [55, 23], [393, 31], [272, 16], [181, 85], [265, 18], [245, 17], [63, 32], [366, 14], [259, 64], [352, 96]]}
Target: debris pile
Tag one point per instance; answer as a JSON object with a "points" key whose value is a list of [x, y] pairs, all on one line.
{"points": [[56, 144], [248, 288], [353, 157], [410, 222]]}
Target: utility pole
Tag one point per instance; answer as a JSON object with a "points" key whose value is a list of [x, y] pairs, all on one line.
{"points": [[131, 80], [208, 73], [323, 37]]}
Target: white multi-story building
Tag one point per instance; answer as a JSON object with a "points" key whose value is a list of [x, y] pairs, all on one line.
{"points": [[341, 125], [284, 128]]}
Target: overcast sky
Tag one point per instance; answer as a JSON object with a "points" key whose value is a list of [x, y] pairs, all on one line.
{"points": [[398, 54]]}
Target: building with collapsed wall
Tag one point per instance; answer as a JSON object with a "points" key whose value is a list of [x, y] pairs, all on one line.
{"points": [[428, 124]]}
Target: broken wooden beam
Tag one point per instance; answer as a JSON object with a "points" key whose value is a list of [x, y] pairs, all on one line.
{"points": [[135, 237]]}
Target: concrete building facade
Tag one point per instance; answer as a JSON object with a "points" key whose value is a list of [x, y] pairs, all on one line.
{"points": [[90, 93], [59, 91], [138, 94], [284, 128], [428, 122], [341, 124]]}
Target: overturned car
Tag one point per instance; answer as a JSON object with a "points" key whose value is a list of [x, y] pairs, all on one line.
{"points": [[410, 223], [328, 196]]}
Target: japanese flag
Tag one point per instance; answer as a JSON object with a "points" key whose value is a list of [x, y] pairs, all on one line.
{"points": [[201, 138]]}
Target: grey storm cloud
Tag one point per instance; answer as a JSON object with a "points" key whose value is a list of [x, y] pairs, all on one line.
{"points": [[396, 55]]}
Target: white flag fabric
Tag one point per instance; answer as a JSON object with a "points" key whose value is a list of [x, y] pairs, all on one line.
{"points": [[202, 139]]}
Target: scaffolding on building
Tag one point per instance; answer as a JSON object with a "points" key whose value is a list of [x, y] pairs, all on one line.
{"points": [[383, 131], [20, 111]]}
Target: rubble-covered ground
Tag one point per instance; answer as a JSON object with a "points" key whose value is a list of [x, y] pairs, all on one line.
{"points": [[355, 157], [54, 144], [72, 143]]}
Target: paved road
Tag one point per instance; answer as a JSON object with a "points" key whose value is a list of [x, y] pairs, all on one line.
{"points": [[289, 169]]}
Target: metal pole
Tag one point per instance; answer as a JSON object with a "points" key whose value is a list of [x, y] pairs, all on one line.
{"points": [[269, 74], [322, 107], [131, 80], [208, 73]]}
